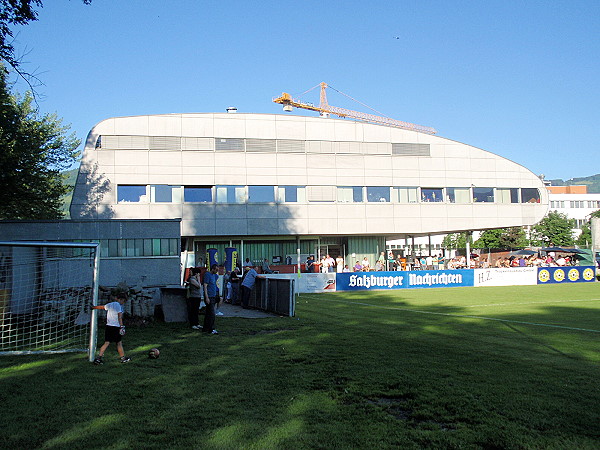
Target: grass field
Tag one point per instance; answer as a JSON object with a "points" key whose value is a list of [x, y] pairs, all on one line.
{"points": [[510, 367]]}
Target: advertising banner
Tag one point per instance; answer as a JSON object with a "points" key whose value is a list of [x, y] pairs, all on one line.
{"points": [[512, 276], [576, 274], [231, 256], [309, 283], [361, 281], [439, 278], [358, 281]]}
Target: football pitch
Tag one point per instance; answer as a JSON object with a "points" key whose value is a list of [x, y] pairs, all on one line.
{"points": [[490, 367]]}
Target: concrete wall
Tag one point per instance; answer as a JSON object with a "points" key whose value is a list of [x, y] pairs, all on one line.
{"points": [[143, 271]]}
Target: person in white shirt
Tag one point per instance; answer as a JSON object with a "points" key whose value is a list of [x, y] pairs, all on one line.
{"points": [[115, 329]]}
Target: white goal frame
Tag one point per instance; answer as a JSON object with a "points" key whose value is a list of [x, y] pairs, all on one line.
{"points": [[59, 331]]}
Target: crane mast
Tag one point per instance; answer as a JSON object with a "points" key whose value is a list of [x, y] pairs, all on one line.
{"points": [[325, 108]]}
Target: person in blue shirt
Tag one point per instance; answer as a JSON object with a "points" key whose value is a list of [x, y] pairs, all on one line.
{"points": [[247, 285], [210, 299]]}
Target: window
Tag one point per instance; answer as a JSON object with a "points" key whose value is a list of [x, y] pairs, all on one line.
{"points": [[483, 195], [261, 194], [406, 194], [197, 194], [291, 194], [163, 193], [432, 195], [458, 195], [507, 195], [350, 194], [131, 194], [231, 194], [530, 195], [378, 194]]}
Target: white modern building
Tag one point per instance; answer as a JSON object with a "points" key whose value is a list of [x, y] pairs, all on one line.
{"points": [[574, 202], [273, 185]]}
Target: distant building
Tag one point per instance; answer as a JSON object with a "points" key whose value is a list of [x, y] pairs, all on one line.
{"points": [[574, 202]]}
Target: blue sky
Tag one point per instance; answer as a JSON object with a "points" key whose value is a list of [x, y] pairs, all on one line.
{"points": [[517, 78]]}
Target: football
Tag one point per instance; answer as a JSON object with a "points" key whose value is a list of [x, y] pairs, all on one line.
{"points": [[154, 353]]}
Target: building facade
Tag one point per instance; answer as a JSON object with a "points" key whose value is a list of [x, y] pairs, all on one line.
{"points": [[144, 253], [574, 202], [273, 186]]}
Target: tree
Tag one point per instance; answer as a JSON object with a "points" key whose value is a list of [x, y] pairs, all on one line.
{"points": [[513, 237], [457, 240], [554, 229], [585, 238], [34, 149]]}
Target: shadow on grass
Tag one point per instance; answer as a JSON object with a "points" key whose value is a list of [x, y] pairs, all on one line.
{"points": [[351, 370]]}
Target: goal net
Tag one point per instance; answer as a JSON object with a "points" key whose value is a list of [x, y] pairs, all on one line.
{"points": [[46, 294]]}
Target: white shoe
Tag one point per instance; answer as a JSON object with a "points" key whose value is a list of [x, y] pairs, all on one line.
{"points": [[219, 313], [196, 327], [214, 332]]}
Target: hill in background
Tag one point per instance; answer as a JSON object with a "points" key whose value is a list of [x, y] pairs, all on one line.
{"points": [[592, 182]]}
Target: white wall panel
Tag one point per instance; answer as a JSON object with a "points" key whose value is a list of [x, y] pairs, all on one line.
{"points": [[131, 157], [200, 125], [229, 126], [137, 125]]}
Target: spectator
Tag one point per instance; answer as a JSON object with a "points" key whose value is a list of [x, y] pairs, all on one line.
{"points": [[357, 266], [310, 264], [365, 265], [210, 299], [265, 267], [339, 262], [234, 279], [247, 285], [194, 297], [330, 263]]}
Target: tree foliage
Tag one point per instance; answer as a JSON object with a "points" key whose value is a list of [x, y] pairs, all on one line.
{"points": [[457, 240], [502, 238], [585, 238], [554, 229], [34, 149]]}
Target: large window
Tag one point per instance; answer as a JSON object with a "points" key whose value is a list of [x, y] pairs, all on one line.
{"points": [[507, 195], [131, 194], [406, 194], [483, 195], [291, 194], [350, 194], [231, 194], [261, 194], [163, 193], [197, 194], [530, 195], [378, 194], [432, 195], [458, 195]]}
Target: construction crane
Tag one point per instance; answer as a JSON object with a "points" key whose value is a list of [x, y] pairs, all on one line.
{"points": [[325, 109]]}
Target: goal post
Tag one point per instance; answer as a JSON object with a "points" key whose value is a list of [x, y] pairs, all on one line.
{"points": [[47, 290]]}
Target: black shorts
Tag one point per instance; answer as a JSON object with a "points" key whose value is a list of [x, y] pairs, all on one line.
{"points": [[112, 334]]}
